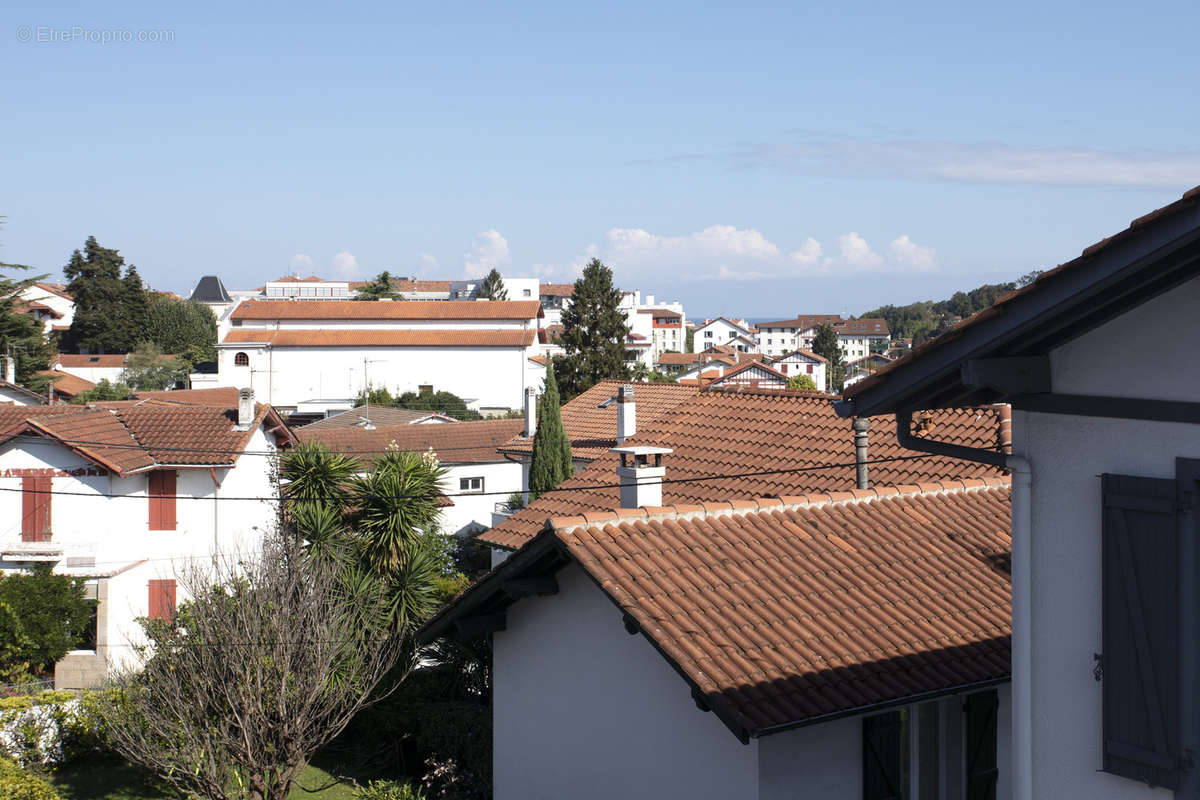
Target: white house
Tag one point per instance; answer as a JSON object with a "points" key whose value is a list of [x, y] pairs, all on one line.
{"points": [[856, 337], [1106, 476], [125, 495], [93, 368], [50, 304], [859, 338], [812, 646], [477, 475], [318, 356], [802, 362], [725, 331], [515, 288]]}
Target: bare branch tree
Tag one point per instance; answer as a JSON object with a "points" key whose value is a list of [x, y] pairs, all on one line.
{"points": [[268, 661]]}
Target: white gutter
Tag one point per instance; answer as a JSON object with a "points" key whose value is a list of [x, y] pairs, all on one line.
{"points": [[1022, 627]]}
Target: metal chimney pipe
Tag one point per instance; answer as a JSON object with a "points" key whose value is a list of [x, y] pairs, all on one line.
{"points": [[530, 412], [626, 414], [861, 426]]}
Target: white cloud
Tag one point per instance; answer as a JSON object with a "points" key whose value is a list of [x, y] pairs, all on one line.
{"points": [[490, 251], [715, 239], [856, 253], [345, 265], [809, 253], [978, 162], [428, 263], [906, 252], [301, 262]]}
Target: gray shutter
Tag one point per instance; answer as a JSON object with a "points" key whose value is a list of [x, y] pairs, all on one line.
{"points": [[883, 752], [982, 772], [1140, 602]]}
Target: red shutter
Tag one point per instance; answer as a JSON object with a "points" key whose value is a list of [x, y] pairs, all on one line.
{"points": [[35, 509], [28, 510], [162, 599], [162, 485]]}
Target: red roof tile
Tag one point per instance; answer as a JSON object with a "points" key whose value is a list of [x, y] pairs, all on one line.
{"points": [[399, 310], [66, 384], [784, 611], [720, 436], [453, 442], [374, 337]]}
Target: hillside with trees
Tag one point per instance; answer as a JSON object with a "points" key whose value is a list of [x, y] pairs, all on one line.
{"points": [[928, 318]]}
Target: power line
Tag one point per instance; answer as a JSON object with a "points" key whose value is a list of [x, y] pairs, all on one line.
{"points": [[506, 493]]}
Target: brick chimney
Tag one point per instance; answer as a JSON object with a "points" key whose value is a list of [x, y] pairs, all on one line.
{"points": [[640, 475], [245, 408], [626, 414], [530, 412]]}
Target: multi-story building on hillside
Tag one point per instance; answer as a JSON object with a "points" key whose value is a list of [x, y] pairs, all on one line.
{"points": [[857, 337]]}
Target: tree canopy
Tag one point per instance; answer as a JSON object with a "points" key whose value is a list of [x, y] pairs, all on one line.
{"points": [[184, 327], [594, 331], [802, 382], [149, 369], [21, 334], [441, 402], [381, 288], [492, 287], [550, 462], [825, 343], [108, 309]]}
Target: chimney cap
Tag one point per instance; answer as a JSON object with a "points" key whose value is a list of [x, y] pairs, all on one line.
{"points": [[641, 450]]}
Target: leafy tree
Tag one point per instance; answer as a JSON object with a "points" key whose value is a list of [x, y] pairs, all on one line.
{"points": [[148, 369], [690, 341], [44, 615], [825, 343], [492, 287], [379, 289], [446, 403], [103, 392], [802, 382], [594, 331], [184, 327], [550, 463], [103, 302]]}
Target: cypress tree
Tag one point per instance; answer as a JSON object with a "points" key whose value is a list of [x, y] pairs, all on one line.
{"points": [[825, 343], [550, 463], [135, 310], [94, 281], [594, 331]]}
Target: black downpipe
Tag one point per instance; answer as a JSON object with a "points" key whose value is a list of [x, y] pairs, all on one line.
{"points": [[906, 439]]}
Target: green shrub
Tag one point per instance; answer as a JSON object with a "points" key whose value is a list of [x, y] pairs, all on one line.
{"points": [[389, 790], [17, 784], [43, 616]]}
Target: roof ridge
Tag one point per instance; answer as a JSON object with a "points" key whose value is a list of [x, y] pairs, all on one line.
{"points": [[684, 512], [116, 412]]}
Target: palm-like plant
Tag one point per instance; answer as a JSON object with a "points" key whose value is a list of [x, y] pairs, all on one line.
{"points": [[316, 474], [393, 505]]}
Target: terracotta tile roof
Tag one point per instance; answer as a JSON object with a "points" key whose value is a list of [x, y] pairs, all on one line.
{"points": [[454, 442], [374, 337], [541, 361], [220, 396], [557, 290], [734, 323], [771, 374], [66, 384], [803, 321], [379, 415], [691, 359], [720, 435], [805, 353], [873, 325], [593, 430], [130, 436], [75, 361], [783, 611], [33, 305], [55, 288], [1188, 201], [399, 309]]}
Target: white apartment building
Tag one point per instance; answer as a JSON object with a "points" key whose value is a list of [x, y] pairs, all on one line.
{"points": [[724, 331], [127, 495], [515, 288], [855, 336], [663, 325], [317, 356]]}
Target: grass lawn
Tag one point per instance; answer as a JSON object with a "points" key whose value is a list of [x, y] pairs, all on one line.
{"points": [[117, 780]]}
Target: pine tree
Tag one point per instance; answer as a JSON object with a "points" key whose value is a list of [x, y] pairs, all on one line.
{"points": [[100, 297], [594, 331], [21, 334], [135, 309], [492, 287], [379, 289], [825, 343], [550, 464]]}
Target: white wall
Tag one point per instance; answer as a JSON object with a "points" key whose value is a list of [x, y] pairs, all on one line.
{"points": [[474, 512], [584, 710], [1067, 455], [820, 762], [488, 377]]}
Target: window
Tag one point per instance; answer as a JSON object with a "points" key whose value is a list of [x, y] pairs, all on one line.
{"points": [[162, 599], [161, 489], [35, 509], [241, 360], [708, 334], [810, 369], [470, 484], [527, 292]]}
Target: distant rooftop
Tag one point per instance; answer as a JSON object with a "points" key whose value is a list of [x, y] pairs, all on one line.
{"points": [[211, 290]]}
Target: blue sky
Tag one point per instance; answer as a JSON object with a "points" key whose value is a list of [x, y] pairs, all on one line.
{"points": [[750, 159]]}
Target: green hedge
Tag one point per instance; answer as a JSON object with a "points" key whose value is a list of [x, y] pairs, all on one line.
{"points": [[17, 784]]}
